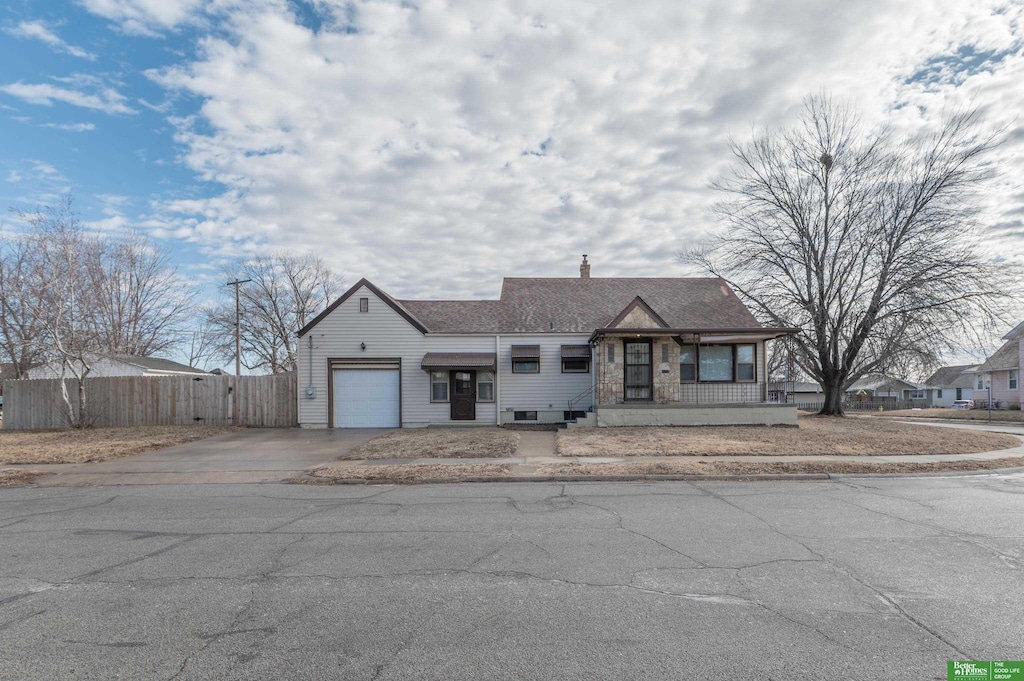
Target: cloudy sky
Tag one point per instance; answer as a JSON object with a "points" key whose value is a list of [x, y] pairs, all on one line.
{"points": [[435, 147]]}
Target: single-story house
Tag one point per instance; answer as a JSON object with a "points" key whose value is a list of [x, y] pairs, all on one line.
{"points": [[998, 377], [806, 394], [123, 365], [952, 383], [607, 351], [881, 388]]}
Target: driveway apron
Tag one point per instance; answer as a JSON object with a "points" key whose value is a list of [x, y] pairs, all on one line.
{"points": [[252, 455]]}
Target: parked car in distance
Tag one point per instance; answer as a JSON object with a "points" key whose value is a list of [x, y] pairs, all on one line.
{"points": [[963, 404]]}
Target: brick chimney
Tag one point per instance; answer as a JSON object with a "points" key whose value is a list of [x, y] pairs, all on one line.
{"points": [[584, 268]]}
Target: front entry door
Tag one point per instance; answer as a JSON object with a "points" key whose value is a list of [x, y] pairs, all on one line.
{"points": [[463, 395], [638, 370]]}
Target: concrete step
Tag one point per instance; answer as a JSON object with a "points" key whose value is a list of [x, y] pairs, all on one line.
{"points": [[588, 421]]}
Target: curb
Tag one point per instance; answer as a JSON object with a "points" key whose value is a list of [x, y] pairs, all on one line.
{"points": [[751, 477], [314, 480]]}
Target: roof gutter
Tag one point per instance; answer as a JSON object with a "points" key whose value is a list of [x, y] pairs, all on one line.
{"points": [[768, 332]]}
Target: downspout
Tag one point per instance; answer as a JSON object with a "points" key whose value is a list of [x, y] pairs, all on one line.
{"points": [[309, 390], [696, 369], [497, 379]]}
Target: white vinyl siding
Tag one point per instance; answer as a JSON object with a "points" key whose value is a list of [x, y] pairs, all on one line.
{"points": [[387, 335], [549, 389]]}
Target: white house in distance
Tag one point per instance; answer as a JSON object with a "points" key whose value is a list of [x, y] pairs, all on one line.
{"points": [[882, 388], [123, 365], [952, 383], [609, 351]]}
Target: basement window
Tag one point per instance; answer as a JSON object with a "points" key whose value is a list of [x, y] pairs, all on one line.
{"points": [[525, 415]]}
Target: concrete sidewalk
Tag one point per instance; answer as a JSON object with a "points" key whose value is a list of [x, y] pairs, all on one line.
{"points": [[537, 449], [278, 455]]}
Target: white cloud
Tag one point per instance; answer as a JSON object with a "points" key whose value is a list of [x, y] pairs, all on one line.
{"points": [[71, 127], [105, 99], [152, 17], [436, 148], [37, 30], [143, 17], [13, 176]]}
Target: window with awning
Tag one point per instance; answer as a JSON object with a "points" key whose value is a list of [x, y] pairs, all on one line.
{"points": [[575, 359], [525, 359]]}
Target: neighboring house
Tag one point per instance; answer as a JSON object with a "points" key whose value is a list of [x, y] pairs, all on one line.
{"points": [[998, 378], [952, 383], [881, 388], [123, 365], [609, 351], [807, 394]]}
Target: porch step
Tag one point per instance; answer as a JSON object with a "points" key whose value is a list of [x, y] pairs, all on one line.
{"points": [[588, 421]]}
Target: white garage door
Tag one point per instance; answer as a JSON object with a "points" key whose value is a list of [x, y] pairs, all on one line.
{"points": [[366, 398]]}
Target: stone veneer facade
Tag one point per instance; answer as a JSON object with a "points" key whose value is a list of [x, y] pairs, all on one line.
{"points": [[610, 381]]}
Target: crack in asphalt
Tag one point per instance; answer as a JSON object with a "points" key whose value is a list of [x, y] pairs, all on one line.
{"points": [[847, 572]]}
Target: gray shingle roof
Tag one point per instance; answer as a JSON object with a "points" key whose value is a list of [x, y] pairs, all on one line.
{"points": [[881, 383], [582, 305], [574, 305], [952, 377], [1006, 357], [158, 364], [455, 316]]}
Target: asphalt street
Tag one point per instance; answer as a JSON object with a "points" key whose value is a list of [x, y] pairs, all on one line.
{"points": [[860, 578]]}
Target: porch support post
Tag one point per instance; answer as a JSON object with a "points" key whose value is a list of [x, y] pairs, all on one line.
{"points": [[696, 369]]}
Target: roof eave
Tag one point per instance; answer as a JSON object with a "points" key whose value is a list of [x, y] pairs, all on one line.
{"points": [[388, 300], [768, 333]]}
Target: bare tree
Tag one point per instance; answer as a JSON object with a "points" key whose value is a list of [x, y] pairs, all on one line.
{"points": [[77, 297], [865, 241], [284, 294], [203, 345], [57, 271], [19, 330], [141, 305]]}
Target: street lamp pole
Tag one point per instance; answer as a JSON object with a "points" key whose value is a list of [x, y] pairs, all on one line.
{"points": [[238, 325]]}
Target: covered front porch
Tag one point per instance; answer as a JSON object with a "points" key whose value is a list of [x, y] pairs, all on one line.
{"points": [[678, 377]]}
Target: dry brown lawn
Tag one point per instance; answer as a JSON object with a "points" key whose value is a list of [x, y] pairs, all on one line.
{"points": [[97, 444], [17, 476], [407, 473], [704, 467], [1006, 415], [439, 443], [815, 435]]}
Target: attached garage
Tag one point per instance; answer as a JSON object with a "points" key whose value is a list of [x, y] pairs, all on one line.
{"points": [[366, 395]]}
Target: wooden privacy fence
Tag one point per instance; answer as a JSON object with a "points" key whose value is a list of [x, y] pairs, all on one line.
{"points": [[253, 401]]}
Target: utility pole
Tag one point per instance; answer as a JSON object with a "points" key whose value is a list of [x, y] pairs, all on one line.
{"points": [[238, 325]]}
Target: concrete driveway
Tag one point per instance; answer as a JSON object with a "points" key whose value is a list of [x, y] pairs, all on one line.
{"points": [[253, 455]]}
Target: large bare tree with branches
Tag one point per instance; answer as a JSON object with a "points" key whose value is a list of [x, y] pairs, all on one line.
{"points": [[865, 240], [285, 292]]}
